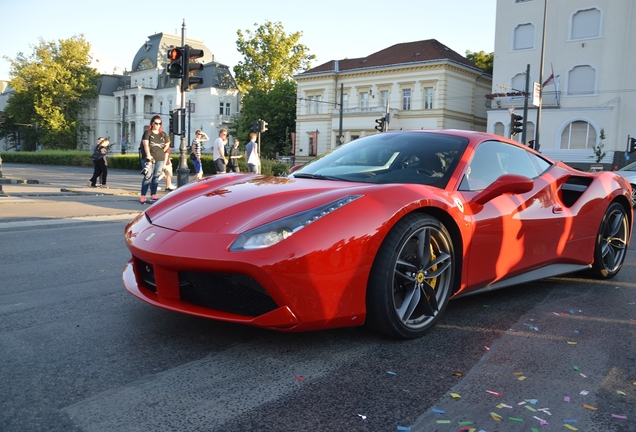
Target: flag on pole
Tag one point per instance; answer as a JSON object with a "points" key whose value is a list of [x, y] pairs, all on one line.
{"points": [[550, 78]]}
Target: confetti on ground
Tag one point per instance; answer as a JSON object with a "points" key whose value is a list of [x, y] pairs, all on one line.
{"points": [[566, 399], [576, 331], [391, 373], [438, 411], [570, 427], [522, 403], [540, 419], [570, 421], [299, 378], [363, 417], [515, 419], [545, 410], [528, 407], [521, 378], [572, 343], [532, 401], [622, 417], [443, 421], [458, 374], [590, 407], [575, 368], [494, 393], [584, 392], [583, 375], [465, 423], [502, 405], [620, 393], [487, 349], [403, 428], [534, 430], [455, 396], [495, 416]]}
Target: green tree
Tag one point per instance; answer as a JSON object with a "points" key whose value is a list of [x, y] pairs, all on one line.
{"points": [[270, 56], [51, 89], [278, 108], [482, 60]]}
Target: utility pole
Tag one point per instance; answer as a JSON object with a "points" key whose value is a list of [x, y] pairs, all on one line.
{"points": [[525, 107], [183, 172], [340, 137], [539, 109]]}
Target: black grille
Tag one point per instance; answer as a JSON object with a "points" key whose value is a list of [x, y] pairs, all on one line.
{"points": [[146, 274], [228, 292]]}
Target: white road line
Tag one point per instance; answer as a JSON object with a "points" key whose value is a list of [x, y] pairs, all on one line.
{"points": [[44, 222]]}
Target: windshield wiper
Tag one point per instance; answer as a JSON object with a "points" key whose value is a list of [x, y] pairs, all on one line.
{"points": [[316, 176]]}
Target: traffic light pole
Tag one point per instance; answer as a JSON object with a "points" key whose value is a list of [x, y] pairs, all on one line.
{"points": [[183, 172]]}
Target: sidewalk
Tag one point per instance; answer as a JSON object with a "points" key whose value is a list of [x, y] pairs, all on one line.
{"points": [[42, 192]]}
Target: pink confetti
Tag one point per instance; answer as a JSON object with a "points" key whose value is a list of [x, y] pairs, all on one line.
{"points": [[487, 349], [566, 399], [299, 378], [619, 416], [494, 393]]}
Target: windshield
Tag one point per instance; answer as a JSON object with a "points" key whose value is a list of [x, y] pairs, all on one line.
{"points": [[392, 157]]}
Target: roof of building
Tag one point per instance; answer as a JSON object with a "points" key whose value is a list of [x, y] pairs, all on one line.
{"points": [[399, 54]]}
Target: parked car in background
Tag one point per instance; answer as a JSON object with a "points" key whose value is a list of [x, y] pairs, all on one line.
{"points": [[628, 172]]}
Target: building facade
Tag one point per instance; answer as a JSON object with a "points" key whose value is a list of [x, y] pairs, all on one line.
{"points": [[587, 75], [416, 85], [126, 102]]}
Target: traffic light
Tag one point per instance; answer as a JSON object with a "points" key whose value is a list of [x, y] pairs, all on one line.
{"points": [[380, 124], [263, 126], [190, 66], [632, 145], [516, 124], [174, 122], [175, 65], [255, 126]]}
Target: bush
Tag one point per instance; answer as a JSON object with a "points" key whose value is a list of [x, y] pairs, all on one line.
{"points": [[127, 161]]}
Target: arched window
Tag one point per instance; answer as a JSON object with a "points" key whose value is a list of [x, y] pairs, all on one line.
{"points": [[523, 37], [586, 24], [578, 135], [581, 80], [499, 129], [144, 64]]}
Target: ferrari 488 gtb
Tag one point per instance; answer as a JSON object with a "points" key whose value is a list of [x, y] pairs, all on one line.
{"points": [[383, 230]]}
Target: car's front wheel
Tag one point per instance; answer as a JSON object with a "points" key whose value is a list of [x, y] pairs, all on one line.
{"points": [[611, 242], [633, 195], [411, 279]]}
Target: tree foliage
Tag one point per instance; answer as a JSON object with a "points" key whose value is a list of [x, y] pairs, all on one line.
{"points": [[270, 55], [51, 89], [482, 60], [278, 108]]}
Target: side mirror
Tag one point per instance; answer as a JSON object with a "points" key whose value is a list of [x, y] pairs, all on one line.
{"points": [[507, 183]]}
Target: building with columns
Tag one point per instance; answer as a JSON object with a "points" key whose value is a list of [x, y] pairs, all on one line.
{"points": [[126, 102]]}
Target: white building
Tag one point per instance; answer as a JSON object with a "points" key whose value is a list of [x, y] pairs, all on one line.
{"points": [[147, 91], [423, 85], [588, 74]]}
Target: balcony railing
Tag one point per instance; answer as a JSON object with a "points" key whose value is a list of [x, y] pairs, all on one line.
{"points": [[550, 100]]}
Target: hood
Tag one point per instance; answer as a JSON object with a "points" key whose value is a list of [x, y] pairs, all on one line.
{"points": [[232, 204]]}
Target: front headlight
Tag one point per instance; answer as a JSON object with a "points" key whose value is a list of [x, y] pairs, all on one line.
{"points": [[274, 232]]}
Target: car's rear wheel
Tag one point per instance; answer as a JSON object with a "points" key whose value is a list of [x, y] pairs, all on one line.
{"points": [[611, 242], [633, 195], [412, 277]]}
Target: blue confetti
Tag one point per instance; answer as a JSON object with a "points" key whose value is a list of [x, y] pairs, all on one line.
{"points": [[438, 411], [403, 428]]}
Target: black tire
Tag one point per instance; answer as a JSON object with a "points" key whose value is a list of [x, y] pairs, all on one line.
{"points": [[611, 242], [411, 279]]}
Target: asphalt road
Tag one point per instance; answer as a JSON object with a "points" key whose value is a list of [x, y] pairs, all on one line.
{"points": [[79, 353]]}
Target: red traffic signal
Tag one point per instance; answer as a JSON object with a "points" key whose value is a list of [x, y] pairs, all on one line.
{"points": [[175, 65]]}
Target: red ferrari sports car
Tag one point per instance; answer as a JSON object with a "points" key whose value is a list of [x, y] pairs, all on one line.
{"points": [[383, 230]]}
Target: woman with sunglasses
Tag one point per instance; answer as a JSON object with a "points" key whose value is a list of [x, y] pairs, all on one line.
{"points": [[155, 143]]}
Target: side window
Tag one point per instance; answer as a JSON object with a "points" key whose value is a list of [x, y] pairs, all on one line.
{"points": [[493, 159]]}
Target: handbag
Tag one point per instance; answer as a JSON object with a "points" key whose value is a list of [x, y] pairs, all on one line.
{"points": [[97, 155]]}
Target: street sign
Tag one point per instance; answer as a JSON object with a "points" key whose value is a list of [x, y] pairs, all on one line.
{"points": [[536, 95]]}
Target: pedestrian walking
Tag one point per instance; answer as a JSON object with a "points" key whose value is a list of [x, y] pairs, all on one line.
{"points": [[251, 155], [195, 153], [219, 151], [100, 163], [233, 157], [154, 144]]}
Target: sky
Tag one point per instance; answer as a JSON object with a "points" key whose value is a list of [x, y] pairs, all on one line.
{"points": [[332, 29]]}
